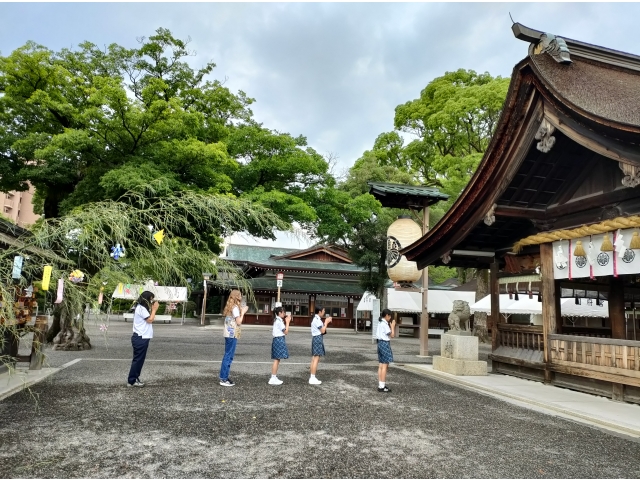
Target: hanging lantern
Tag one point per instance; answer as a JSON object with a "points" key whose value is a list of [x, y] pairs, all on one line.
{"points": [[402, 233]]}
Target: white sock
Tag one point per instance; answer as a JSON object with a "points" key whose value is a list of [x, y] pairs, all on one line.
{"points": [[380, 384], [274, 376], [312, 376]]}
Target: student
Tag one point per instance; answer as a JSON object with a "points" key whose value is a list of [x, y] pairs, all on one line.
{"points": [[385, 356], [233, 314], [318, 329], [143, 316], [279, 349]]}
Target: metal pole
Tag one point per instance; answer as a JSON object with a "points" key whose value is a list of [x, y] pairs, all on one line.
{"points": [[204, 304], [424, 316]]}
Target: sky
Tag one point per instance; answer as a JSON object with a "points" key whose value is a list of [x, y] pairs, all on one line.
{"points": [[333, 72]]}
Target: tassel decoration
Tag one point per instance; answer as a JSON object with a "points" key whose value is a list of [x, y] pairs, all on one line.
{"points": [[606, 246], [635, 241], [579, 250]]}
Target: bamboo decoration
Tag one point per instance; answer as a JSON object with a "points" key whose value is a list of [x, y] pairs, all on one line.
{"points": [[606, 246], [579, 250]]}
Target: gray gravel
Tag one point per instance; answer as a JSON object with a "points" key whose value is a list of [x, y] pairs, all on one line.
{"points": [[182, 424]]}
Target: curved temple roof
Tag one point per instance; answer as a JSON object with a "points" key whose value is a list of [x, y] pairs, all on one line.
{"points": [[589, 94]]}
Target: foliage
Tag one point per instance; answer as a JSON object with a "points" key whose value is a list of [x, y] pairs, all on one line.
{"points": [[88, 124], [83, 239]]}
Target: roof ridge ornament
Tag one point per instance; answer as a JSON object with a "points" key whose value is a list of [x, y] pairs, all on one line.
{"points": [[554, 46], [543, 43]]}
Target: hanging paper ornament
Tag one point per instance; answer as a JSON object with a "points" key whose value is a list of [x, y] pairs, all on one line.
{"points": [[17, 267], [561, 259], [159, 236], [100, 296], [619, 244], [120, 289], [60, 291], [591, 257], [606, 246], [46, 277], [579, 250], [76, 276], [117, 251]]}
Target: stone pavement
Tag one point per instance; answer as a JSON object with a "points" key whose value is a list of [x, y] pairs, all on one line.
{"points": [[84, 422], [591, 409]]}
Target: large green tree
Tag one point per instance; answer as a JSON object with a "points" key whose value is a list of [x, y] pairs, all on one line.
{"points": [[88, 124]]}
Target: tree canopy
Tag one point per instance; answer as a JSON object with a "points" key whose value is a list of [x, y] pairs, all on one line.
{"points": [[89, 124]]}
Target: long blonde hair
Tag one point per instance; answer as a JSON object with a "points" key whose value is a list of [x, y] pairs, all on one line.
{"points": [[235, 300]]}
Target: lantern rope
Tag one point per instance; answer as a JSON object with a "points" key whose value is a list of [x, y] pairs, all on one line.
{"points": [[584, 231]]}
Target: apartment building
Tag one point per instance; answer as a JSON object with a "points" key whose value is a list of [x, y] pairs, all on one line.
{"points": [[18, 207]]}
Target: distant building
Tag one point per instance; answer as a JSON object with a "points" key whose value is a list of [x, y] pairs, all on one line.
{"points": [[18, 207]]}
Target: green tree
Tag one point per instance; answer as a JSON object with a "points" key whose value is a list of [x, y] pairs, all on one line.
{"points": [[89, 124]]}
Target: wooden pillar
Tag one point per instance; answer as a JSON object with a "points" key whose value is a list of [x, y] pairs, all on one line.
{"points": [[550, 314], [494, 290], [424, 316], [618, 327], [616, 308]]}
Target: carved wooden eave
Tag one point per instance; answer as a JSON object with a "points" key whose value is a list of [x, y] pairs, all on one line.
{"points": [[543, 103]]}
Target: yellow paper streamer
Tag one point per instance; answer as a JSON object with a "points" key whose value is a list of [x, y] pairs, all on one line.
{"points": [[46, 277], [159, 236]]}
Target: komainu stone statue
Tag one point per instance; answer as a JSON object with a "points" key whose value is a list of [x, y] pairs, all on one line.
{"points": [[459, 316]]}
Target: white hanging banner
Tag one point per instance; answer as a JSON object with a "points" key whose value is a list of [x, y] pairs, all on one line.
{"points": [[579, 266], [622, 260]]}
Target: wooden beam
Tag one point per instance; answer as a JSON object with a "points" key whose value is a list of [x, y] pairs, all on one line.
{"points": [[583, 204], [519, 212], [494, 291], [549, 303]]}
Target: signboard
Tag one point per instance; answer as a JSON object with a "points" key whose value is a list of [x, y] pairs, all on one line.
{"points": [[279, 276], [278, 283]]}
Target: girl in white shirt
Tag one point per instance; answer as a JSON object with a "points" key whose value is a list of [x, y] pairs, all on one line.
{"points": [[144, 314], [233, 315], [279, 349], [385, 355], [318, 329]]}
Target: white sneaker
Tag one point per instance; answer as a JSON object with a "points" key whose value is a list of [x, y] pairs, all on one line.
{"points": [[314, 381], [275, 381]]}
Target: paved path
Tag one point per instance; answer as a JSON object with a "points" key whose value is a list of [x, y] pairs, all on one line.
{"points": [[87, 423]]}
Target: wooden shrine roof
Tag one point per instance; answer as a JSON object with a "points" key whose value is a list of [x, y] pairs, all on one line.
{"points": [[553, 160], [396, 195]]}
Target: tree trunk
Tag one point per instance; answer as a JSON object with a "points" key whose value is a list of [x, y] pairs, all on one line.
{"points": [[479, 318], [71, 335]]}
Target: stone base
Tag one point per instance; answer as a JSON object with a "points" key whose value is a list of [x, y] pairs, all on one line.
{"points": [[460, 347], [459, 367]]}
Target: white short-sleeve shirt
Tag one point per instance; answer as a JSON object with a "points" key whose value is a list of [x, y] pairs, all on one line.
{"points": [[278, 328], [383, 330], [140, 325], [316, 325], [230, 325]]}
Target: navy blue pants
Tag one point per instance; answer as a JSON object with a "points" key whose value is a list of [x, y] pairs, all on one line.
{"points": [[140, 346]]}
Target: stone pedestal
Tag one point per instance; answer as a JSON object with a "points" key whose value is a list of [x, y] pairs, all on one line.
{"points": [[459, 355]]}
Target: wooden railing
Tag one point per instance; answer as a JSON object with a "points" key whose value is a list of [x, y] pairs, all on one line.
{"points": [[521, 336], [605, 359]]}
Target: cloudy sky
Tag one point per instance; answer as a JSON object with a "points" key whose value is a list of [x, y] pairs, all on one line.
{"points": [[333, 72]]}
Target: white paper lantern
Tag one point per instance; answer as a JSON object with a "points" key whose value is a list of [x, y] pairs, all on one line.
{"points": [[402, 233]]}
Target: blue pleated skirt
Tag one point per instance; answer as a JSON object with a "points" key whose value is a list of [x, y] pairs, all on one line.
{"points": [[317, 346], [385, 355], [279, 350]]}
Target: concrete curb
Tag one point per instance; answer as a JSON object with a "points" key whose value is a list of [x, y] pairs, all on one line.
{"points": [[570, 414], [11, 383]]}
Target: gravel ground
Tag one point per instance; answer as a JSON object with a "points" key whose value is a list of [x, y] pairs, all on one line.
{"points": [[86, 423]]}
